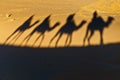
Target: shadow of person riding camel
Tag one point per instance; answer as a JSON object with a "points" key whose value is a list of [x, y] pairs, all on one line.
{"points": [[97, 24], [68, 28], [21, 29], [41, 29]]}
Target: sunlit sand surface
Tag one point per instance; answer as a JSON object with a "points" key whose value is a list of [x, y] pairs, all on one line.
{"points": [[14, 13]]}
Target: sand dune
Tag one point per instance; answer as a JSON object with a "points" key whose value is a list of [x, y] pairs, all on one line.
{"points": [[105, 6]]}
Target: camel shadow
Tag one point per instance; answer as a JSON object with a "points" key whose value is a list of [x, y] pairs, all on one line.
{"points": [[97, 24], [20, 30], [68, 28], [41, 29]]}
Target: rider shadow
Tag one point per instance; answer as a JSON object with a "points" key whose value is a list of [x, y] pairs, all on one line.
{"points": [[97, 24], [68, 28], [20, 30], [41, 29]]}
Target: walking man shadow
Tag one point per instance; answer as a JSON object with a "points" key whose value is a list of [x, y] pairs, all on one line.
{"points": [[97, 24], [20, 30]]}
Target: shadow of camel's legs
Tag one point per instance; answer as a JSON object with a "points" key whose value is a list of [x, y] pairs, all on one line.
{"points": [[66, 40], [41, 40], [70, 40], [10, 36], [18, 37], [53, 38], [58, 39], [86, 35], [91, 34], [36, 39], [26, 39], [15, 36], [101, 37]]}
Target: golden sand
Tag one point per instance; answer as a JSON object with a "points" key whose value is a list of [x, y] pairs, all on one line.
{"points": [[14, 13]]}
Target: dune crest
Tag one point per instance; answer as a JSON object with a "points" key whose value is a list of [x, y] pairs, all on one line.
{"points": [[108, 6]]}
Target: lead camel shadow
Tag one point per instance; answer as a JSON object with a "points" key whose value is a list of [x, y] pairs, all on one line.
{"points": [[19, 31], [41, 29], [68, 28], [97, 24]]}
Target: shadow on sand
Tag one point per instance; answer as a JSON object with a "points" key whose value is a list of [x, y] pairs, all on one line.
{"points": [[21, 29], [68, 28], [41, 29], [97, 24], [65, 63]]}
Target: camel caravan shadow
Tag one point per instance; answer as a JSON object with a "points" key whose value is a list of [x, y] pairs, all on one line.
{"points": [[97, 23]]}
